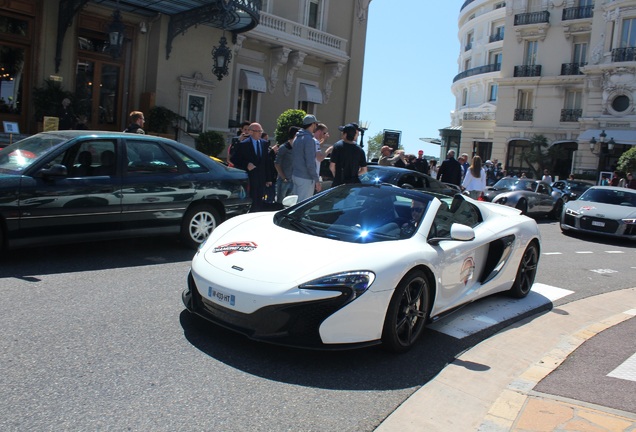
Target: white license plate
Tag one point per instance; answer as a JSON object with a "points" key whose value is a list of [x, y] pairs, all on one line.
{"points": [[598, 224], [221, 297]]}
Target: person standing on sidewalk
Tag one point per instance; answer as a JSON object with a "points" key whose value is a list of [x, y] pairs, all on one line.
{"points": [[348, 160], [283, 165], [304, 172], [475, 179], [451, 170]]}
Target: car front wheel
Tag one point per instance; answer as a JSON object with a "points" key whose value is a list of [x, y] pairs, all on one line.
{"points": [[198, 223], [526, 272], [407, 313]]}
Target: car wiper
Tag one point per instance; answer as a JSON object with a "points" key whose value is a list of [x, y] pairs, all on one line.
{"points": [[296, 223]]}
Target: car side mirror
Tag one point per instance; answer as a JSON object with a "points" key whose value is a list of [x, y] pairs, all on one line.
{"points": [[458, 232], [56, 170]]}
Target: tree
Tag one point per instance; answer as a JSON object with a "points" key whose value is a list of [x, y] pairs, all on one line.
{"points": [[289, 118], [374, 144], [541, 155], [627, 161]]}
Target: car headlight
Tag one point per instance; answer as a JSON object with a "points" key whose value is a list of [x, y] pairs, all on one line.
{"points": [[358, 282], [501, 200], [630, 221], [569, 211]]}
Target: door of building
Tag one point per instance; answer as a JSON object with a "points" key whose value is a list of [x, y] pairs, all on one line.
{"points": [[98, 88]]}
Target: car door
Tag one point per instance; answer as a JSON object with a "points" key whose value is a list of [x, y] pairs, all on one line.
{"points": [[157, 187], [544, 198], [82, 203], [461, 262]]}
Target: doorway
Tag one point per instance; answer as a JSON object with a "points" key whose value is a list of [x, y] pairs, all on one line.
{"points": [[98, 88]]}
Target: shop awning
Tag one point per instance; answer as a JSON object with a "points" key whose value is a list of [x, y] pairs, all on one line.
{"points": [[252, 81], [621, 136], [309, 93]]}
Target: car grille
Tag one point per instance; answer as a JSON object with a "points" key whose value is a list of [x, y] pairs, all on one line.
{"points": [[630, 229], [609, 226], [569, 220]]}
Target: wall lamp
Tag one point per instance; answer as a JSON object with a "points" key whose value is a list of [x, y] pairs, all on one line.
{"points": [[221, 57]]}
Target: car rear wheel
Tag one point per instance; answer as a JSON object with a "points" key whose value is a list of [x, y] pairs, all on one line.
{"points": [[197, 225], [526, 272], [407, 313], [523, 206]]}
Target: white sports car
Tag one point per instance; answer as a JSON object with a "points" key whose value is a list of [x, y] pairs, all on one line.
{"points": [[358, 265]]}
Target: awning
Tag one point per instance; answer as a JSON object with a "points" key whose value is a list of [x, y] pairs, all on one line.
{"points": [[309, 93], [252, 81], [621, 136]]}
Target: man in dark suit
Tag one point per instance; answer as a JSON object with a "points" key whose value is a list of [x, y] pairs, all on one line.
{"points": [[451, 170], [252, 155]]}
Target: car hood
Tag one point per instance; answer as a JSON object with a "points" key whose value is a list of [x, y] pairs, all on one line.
{"points": [[257, 249], [610, 211]]}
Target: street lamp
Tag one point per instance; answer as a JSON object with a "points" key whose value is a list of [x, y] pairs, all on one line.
{"points": [[363, 126], [221, 56], [116, 31], [601, 140]]}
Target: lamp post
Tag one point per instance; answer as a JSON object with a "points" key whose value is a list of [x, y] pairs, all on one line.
{"points": [[363, 126], [601, 140]]}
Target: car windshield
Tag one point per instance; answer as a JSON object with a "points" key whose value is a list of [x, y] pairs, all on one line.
{"points": [[579, 186], [375, 175], [610, 196], [358, 213], [505, 183], [512, 183], [18, 156]]}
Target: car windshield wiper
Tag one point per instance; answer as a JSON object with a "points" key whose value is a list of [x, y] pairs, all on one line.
{"points": [[296, 223]]}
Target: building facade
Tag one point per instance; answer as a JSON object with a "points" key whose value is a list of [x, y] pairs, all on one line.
{"points": [[567, 72], [283, 54]]}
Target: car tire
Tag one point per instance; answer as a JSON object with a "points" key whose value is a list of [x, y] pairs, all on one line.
{"points": [[557, 210], [526, 272], [523, 206], [407, 313], [197, 225]]}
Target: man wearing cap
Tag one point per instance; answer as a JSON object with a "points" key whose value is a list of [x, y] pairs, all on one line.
{"points": [[387, 158], [420, 164], [304, 172], [348, 160]]}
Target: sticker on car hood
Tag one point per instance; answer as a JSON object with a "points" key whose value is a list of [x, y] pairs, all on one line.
{"points": [[230, 248]]}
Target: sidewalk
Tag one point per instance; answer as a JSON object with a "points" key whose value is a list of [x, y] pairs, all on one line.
{"points": [[489, 388]]}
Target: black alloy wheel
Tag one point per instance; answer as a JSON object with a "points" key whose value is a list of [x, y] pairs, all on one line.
{"points": [[526, 273], [407, 313]]}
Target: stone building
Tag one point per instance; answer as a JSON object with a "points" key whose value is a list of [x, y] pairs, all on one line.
{"points": [[282, 54], [566, 70]]}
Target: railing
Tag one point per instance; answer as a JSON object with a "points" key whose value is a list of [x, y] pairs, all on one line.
{"points": [[571, 115], [523, 114], [478, 71], [496, 37], [532, 18], [578, 12], [527, 71], [466, 3], [572, 68], [300, 31], [624, 54], [480, 115]]}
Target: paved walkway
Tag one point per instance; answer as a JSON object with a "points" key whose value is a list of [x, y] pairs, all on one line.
{"points": [[491, 387]]}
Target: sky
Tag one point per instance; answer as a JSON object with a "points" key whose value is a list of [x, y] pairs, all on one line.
{"points": [[409, 65]]}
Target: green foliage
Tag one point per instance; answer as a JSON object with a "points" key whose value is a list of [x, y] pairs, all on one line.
{"points": [[627, 161], [287, 119], [162, 120], [541, 156], [374, 144], [211, 143], [47, 99]]}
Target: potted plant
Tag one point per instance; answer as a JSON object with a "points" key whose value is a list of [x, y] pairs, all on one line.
{"points": [[162, 121], [47, 100], [211, 143]]}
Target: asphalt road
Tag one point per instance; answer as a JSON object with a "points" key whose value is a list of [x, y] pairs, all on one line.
{"points": [[95, 337]]}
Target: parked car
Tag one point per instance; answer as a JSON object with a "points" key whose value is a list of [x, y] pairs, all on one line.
{"points": [[70, 186], [391, 260], [408, 179], [531, 197], [605, 210], [571, 189]]}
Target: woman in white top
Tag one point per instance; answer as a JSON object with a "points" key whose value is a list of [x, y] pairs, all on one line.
{"points": [[475, 179], [546, 177]]}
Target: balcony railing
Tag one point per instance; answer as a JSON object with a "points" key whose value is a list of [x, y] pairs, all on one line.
{"points": [[496, 37], [532, 18], [528, 71], [578, 12], [480, 115], [571, 115], [523, 114], [572, 68], [478, 71], [624, 54]]}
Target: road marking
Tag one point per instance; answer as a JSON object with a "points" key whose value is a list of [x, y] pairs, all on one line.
{"points": [[614, 252], [604, 271], [626, 371], [494, 310], [584, 252], [552, 253]]}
